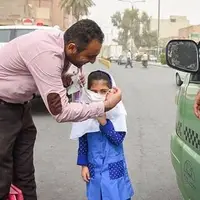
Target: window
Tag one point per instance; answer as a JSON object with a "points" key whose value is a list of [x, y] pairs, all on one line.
{"points": [[195, 78], [5, 35], [8, 34], [172, 20], [20, 32]]}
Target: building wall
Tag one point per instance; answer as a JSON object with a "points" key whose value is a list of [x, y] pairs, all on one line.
{"points": [[47, 11], [164, 41], [11, 13], [170, 27], [40, 10], [184, 33]]}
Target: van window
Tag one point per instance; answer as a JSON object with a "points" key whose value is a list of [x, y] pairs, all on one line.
{"points": [[19, 32], [5, 35], [195, 78], [8, 34]]}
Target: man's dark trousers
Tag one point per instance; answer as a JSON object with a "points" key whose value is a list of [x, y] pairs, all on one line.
{"points": [[129, 62], [17, 138]]}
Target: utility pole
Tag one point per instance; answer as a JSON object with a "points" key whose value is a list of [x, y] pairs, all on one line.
{"points": [[158, 36]]}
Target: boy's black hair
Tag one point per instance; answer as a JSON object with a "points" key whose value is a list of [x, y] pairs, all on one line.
{"points": [[99, 75], [82, 33]]}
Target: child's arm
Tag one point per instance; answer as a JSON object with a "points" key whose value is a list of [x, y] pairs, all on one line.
{"points": [[108, 129], [82, 158]]}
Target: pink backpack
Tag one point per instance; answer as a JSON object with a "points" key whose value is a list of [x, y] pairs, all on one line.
{"points": [[15, 193]]}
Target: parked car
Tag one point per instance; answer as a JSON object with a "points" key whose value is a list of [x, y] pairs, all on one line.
{"points": [[183, 55], [122, 60], [138, 57], [152, 58], [113, 59], [180, 77]]}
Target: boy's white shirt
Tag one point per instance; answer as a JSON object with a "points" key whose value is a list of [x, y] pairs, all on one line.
{"points": [[117, 116]]}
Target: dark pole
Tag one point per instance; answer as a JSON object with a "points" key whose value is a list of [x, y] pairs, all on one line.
{"points": [[158, 39], [132, 31]]}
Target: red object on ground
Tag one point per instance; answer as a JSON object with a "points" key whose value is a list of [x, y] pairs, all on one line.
{"points": [[15, 193]]}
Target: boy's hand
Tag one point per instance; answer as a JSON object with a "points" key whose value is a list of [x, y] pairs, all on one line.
{"points": [[85, 174], [102, 120]]}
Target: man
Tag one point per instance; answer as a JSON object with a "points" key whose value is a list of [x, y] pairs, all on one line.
{"points": [[197, 105], [144, 59], [38, 62], [129, 60]]}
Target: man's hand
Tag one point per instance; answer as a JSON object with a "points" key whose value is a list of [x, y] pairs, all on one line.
{"points": [[85, 174], [102, 120], [82, 79], [67, 80], [197, 105], [112, 99]]}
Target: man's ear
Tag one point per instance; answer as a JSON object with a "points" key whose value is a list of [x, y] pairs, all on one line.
{"points": [[71, 48]]}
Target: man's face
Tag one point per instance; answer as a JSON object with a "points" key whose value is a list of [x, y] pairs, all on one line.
{"points": [[86, 56]]}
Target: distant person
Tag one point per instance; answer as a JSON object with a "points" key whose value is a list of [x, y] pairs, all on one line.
{"points": [[144, 59], [100, 153], [129, 59]]}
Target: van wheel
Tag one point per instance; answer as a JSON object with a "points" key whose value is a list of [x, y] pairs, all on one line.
{"points": [[179, 82]]}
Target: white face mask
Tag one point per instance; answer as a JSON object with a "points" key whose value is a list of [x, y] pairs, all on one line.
{"points": [[90, 96]]}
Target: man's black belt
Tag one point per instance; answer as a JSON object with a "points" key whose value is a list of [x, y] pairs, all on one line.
{"points": [[2, 102]]}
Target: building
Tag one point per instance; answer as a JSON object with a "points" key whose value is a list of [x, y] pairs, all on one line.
{"points": [[190, 32], [45, 11], [170, 27], [163, 41]]}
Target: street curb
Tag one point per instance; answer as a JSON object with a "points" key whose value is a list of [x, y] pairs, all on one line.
{"points": [[158, 65], [105, 62]]}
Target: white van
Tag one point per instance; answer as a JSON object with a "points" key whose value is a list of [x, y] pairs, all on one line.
{"points": [[8, 33]]}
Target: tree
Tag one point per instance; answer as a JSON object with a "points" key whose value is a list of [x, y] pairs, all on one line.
{"points": [[129, 25], [122, 39], [148, 37], [78, 8], [116, 19]]}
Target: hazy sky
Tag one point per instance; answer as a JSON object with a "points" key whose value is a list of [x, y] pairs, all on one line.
{"points": [[105, 8]]}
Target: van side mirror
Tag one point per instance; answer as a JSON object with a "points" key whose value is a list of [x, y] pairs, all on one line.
{"points": [[183, 55]]}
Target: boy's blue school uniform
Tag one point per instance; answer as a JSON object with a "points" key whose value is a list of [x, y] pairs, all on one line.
{"points": [[103, 153]]}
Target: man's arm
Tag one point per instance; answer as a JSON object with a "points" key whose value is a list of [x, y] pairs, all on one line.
{"points": [[197, 105], [46, 69]]}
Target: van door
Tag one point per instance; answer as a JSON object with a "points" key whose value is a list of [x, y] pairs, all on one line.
{"points": [[190, 161]]}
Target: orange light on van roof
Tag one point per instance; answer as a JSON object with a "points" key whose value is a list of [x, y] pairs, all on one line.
{"points": [[40, 24], [28, 21]]}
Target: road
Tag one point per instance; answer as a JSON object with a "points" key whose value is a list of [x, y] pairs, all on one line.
{"points": [[148, 95]]}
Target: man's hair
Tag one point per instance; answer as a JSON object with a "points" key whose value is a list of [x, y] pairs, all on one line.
{"points": [[82, 33], [99, 75]]}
